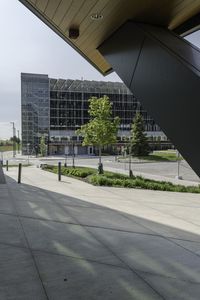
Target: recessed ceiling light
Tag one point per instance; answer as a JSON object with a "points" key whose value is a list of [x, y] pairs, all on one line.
{"points": [[96, 17]]}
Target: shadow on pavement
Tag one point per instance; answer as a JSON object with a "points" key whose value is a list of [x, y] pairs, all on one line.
{"points": [[53, 246]]}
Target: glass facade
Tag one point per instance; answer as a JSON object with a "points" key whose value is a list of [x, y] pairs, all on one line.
{"points": [[34, 110], [56, 108], [69, 103]]}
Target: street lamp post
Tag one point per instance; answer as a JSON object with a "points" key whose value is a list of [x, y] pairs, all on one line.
{"points": [[130, 169], [73, 155], [28, 151], [65, 160], [14, 148], [178, 166], [18, 140]]}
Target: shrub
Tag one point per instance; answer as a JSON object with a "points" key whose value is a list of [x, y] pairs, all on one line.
{"points": [[100, 180], [120, 180], [77, 172], [115, 175]]}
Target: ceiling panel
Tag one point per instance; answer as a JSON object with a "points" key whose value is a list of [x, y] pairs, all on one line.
{"points": [[51, 8], [61, 11], [74, 9], [41, 4], [188, 10], [60, 15], [82, 14], [33, 1]]}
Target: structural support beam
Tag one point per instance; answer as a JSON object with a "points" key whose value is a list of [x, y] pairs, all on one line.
{"points": [[163, 72]]}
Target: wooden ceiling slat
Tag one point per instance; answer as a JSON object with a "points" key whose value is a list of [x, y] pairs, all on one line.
{"points": [[87, 21], [61, 11], [183, 15], [181, 6], [51, 8], [33, 1], [41, 4], [75, 7], [95, 55], [177, 3], [106, 12], [85, 10]]}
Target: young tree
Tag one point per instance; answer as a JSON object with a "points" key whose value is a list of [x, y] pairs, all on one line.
{"points": [[100, 130], [43, 146], [138, 142]]}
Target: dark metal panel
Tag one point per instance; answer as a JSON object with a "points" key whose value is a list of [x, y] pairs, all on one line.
{"points": [[129, 49], [166, 83], [180, 47], [170, 93]]}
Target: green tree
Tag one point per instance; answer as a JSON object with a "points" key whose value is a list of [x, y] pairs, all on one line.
{"points": [[138, 142], [101, 130], [43, 146]]}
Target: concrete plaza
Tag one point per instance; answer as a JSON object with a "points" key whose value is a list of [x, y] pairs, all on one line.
{"points": [[71, 240]]}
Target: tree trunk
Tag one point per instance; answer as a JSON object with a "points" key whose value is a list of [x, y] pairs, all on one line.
{"points": [[99, 155], [100, 166]]}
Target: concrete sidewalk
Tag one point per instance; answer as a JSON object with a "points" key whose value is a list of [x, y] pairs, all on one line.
{"points": [[161, 171], [71, 240]]}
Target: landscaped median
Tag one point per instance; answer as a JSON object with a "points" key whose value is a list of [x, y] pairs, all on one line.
{"points": [[119, 180]]}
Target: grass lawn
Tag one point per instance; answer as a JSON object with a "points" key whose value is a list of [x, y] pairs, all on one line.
{"points": [[6, 148], [119, 180], [164, 155]]}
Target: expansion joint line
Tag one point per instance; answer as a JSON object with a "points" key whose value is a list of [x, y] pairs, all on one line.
{"points": [[27, 242]]}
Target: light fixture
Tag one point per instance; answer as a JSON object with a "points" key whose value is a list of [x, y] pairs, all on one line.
{"points": [[96, 17]]}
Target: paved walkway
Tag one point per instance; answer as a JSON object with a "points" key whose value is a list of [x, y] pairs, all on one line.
{"points": [[70, 240], [163, 171]]}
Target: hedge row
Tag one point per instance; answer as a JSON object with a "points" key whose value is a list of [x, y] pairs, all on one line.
{"points": [[138, 182], [120, 180]]}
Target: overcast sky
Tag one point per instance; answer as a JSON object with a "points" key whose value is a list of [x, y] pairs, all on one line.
{"points": [[28, 45]]}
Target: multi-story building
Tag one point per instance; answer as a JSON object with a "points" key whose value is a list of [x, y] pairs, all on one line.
{"points": [[55, 108]]}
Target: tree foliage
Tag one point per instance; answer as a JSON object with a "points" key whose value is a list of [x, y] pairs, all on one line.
{"points": [[15, 139], [101, 130], [138, 142]]}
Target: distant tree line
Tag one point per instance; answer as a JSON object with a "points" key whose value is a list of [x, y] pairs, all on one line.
{"points": [[9, 142]]}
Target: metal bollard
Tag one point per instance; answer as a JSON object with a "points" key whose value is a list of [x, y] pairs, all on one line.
{"points": [[19, 173], [59, 171], [6, 165]]}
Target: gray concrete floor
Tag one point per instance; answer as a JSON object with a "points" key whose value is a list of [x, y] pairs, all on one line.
{"points": [[71, 240]]}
